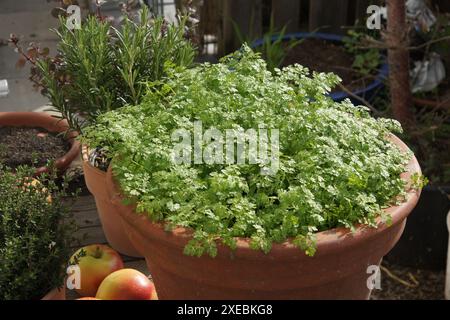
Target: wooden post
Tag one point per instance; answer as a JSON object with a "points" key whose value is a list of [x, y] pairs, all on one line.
{"points": [[398, 59], [286, 13], [330, 13], [443, 5], [361, 10], [242, 13]]}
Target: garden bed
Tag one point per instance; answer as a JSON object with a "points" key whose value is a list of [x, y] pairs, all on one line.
{"points": [[326, 56]]}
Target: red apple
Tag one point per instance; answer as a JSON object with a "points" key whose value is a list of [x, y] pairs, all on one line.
{"points": [[127, 284], [98, 262]]}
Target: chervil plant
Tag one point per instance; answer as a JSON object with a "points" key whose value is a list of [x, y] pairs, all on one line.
{"points": [[35, 234], [337, 165]]}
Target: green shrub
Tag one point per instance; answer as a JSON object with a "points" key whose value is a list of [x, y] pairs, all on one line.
{"points": [[337, 167], [100, 68], [34, 235]]}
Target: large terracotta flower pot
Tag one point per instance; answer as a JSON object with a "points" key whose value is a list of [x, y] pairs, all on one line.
{"points": [[338, 270], [56, 294], [51, 124], [110, 219]]}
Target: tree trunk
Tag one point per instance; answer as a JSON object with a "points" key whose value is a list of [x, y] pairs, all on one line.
{"points": [[398, 59]]}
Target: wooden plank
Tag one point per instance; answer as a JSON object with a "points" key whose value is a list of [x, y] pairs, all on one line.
{"points": [[85, 212], [139, 265], [85, 219], [84, 201], [361, 10], [304, 16], [243, 13], [328, 15], [210, 25], [210, 17], [130, 259], [89, 235], [443, 5], [286, 13]]}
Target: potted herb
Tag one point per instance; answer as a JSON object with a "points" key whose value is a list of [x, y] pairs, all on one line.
{"points": [[35, 138], [211, 228], [100, 68], [35, 236]]}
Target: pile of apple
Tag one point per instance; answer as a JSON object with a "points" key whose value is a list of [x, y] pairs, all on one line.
{"points": [[103, 277]]}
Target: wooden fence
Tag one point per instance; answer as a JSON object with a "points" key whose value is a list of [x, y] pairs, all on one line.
{"points": [[252, 17]]}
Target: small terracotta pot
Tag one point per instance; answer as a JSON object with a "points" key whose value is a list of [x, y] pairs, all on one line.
{"points": [[110, 219], [56, 294], [51, 124], [338, 270]]}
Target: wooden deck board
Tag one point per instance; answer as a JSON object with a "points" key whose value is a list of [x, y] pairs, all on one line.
{"points": [[85, 212]]}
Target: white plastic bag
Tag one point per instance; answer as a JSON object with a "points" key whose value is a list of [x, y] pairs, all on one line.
{"points": [[422, 16], [427, 74]]}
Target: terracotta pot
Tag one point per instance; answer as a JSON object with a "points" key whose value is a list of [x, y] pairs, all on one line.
{"points": [[51, 124], [56, 294], [110, 219], [338, 270]]}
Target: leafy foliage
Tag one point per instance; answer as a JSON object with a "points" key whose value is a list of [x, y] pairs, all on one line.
{"points": [[337, 167], [35, 234], [366, 61], [274, 47], [100, 68]]}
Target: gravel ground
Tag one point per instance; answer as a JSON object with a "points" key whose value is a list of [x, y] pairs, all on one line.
{"points": [[402, 283]]}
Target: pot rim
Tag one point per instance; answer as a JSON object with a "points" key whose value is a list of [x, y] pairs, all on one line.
{"points": [[332, 240], [50, 123]]}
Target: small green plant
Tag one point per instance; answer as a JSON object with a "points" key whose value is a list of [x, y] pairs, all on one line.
{"points": [[274, 47], [336, 164], [100, 68], [366, 61], [35, 234]]}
